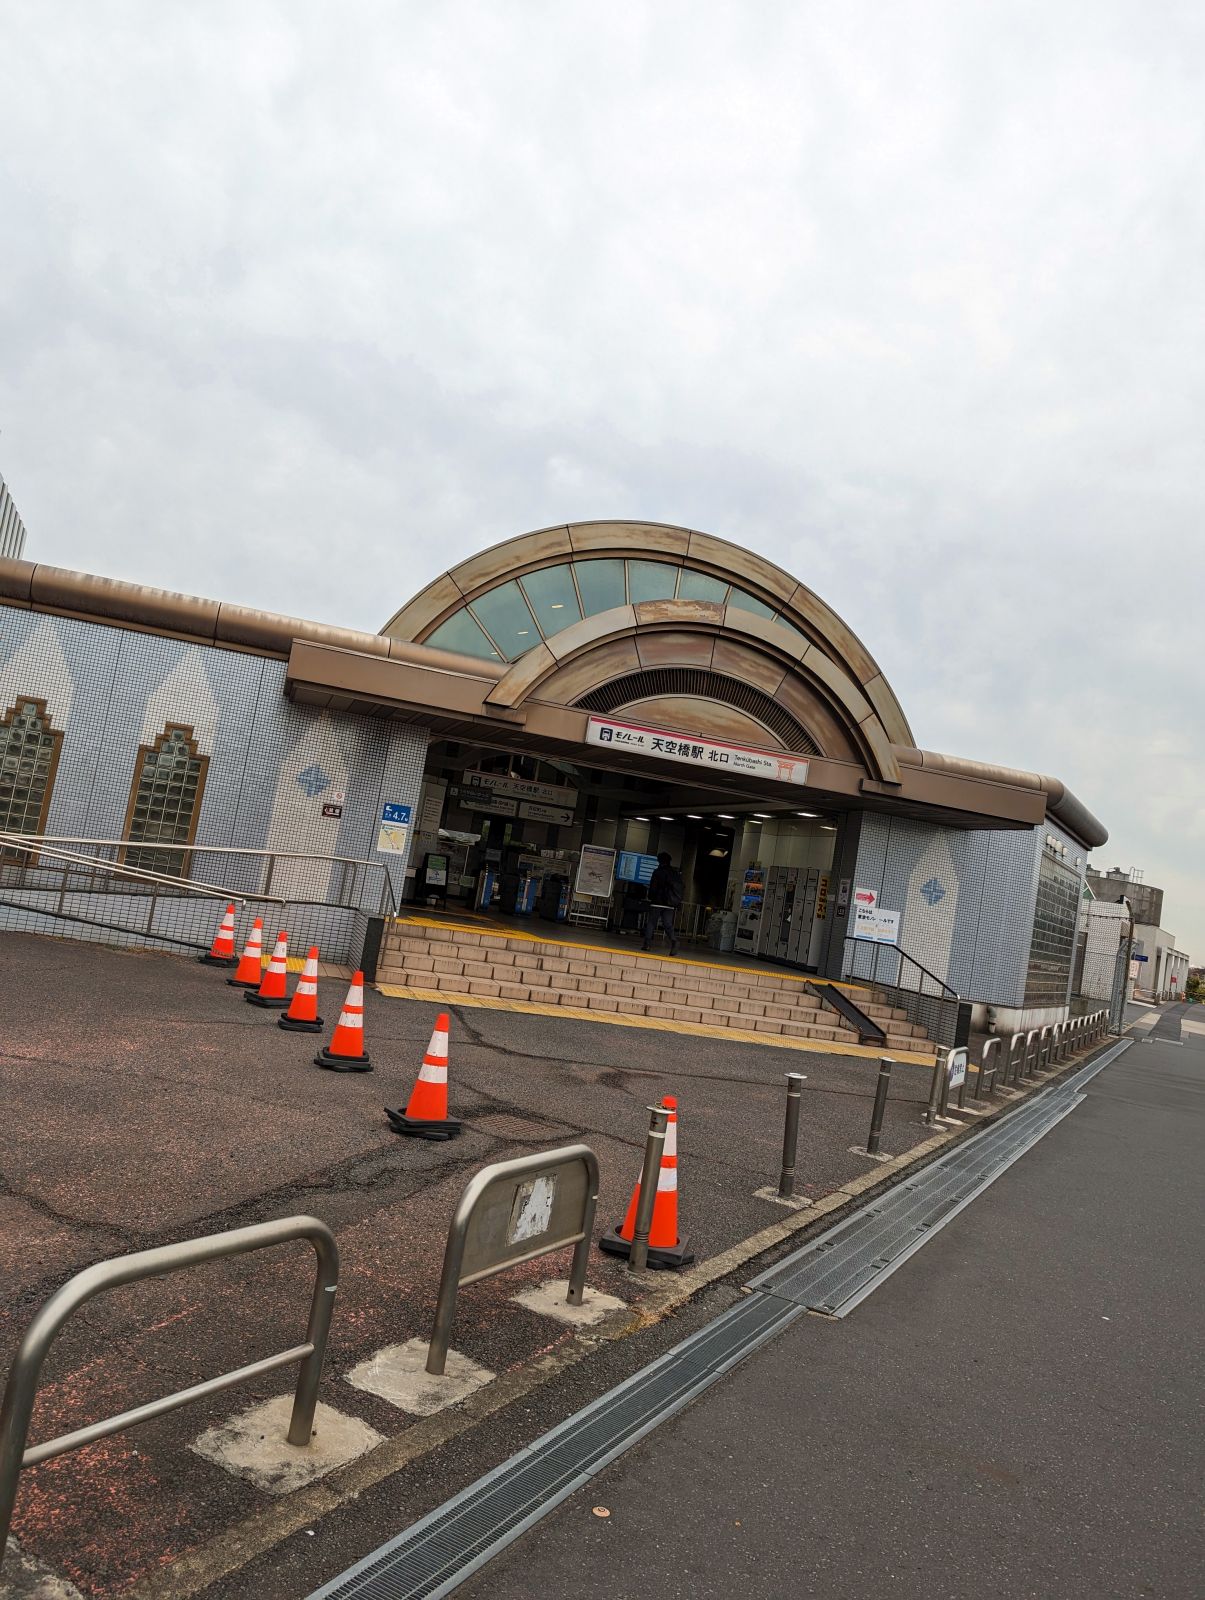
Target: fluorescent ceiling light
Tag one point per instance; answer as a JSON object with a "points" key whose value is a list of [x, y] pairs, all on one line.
{"points": [[665, 819], [725, 816], [764, 815], [693, 816], [807, 813], [640, 819]]}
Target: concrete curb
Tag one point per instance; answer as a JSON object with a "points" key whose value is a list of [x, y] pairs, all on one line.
{"points": [[226, 1553]]}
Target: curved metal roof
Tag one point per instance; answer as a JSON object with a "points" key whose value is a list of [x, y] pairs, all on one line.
{"points": [[517, 595]]}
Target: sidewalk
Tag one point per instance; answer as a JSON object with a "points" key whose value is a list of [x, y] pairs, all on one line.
{"points": [[1013, 1413]]}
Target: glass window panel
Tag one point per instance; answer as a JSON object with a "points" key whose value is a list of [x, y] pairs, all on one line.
{"points": [[27, 750], [461, 634], [601, 584], [504, 615], [651, 580], [746, 602], [699, 586], [553, 598]]}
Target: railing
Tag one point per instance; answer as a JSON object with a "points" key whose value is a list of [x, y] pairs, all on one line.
{"points": [[277, 875], [22, 1386], [83, 889], [926, 999]]}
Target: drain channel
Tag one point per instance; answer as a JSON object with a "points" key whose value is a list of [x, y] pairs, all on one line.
{"points": [[836, 1272], [832, 1274]]}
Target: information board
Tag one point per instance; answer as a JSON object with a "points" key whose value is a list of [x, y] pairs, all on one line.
{"points": [[595, 873], [632, 867], [394, 830], [872, 922]]}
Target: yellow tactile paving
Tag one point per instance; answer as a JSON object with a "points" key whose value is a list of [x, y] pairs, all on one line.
{"points": [[497, 932], [698, 1030]]}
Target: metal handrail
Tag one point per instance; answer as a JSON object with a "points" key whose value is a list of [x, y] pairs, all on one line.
{"points": [[196, 849], [21, 1389], [946, 993], [51, 845], [33, 846]]}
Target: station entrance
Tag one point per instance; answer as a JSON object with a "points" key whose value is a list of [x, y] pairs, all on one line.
{"points": [[515, 837]]}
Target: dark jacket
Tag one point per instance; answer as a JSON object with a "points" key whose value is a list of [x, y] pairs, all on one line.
{"points": [[665, 887]]}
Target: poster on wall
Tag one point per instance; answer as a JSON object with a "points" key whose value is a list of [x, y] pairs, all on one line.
{"points": [[394, 830], [872, 922], [595, 873]]}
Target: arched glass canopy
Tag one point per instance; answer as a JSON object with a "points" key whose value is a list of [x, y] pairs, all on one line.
{"points": [[506, 621]]}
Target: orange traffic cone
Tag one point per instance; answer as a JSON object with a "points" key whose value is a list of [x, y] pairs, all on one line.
{"points": [[222, 952], [346, 1052], [302, 1016], [426, 1113], [250, 968], [665, 1247], [272, 990]]}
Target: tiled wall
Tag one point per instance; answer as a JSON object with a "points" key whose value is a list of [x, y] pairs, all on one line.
{"points": [[966, 899], [272, 764]]}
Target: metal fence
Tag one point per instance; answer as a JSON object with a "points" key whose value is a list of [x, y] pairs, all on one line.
{"points": [[22, 1386], [901, 981], [90, 890]]}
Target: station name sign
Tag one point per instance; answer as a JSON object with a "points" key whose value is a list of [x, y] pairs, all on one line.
{"points": [[667, 746]]}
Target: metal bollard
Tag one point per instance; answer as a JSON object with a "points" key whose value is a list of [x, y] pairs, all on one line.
{"points": [[939, 1072], [649, 1173], [790, 1134], [880, 1105]]}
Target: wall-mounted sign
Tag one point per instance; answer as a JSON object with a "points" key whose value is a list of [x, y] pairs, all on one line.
{"points": [[556, 816], [482, 800], [822, 897], [552, 794], [595, 873], [394, 830], [332, 811], [716, 757], [872, 922], [867, 898], [843, 894], [635, 868]]}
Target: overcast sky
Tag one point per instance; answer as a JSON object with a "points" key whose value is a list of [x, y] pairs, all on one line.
{"points": [[302, 303]]}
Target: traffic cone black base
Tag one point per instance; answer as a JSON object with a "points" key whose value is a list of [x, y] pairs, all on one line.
{"points": [[237, 983], [267, 1004], [418, 1128], [218, 961], [300, 1027], [342, 1063], [661, 1257]]}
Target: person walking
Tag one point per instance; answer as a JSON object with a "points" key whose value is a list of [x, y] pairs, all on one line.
{"points": [[665, 896]]}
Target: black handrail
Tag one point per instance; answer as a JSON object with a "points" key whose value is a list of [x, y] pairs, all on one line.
{"points": [[945, 992]]}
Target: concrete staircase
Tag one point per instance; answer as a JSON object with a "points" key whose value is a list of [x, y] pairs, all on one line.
{"points": [[455, 960]]}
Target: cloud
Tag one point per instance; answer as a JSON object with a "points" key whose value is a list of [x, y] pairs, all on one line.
{"points": [[301, 304]]}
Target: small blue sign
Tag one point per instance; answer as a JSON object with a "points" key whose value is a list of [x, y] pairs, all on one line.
{"points": [[632, 867], [395, 813], [933, 891], [1140, 958]]}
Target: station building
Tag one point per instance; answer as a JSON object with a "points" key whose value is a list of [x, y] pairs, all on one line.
{"points": [[524, 734]]}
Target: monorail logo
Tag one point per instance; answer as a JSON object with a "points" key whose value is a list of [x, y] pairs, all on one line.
{"points": [[667, 746]]}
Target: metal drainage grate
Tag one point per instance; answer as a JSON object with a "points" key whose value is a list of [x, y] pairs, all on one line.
{"points": [[452, 1542], [436, 1555], [837, 1271]]}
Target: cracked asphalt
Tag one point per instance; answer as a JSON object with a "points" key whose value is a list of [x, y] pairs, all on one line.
{"points": [[146, 1102]]}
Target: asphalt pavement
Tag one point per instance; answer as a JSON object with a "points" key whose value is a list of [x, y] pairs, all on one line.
{"points": [[1016, 1412]]}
